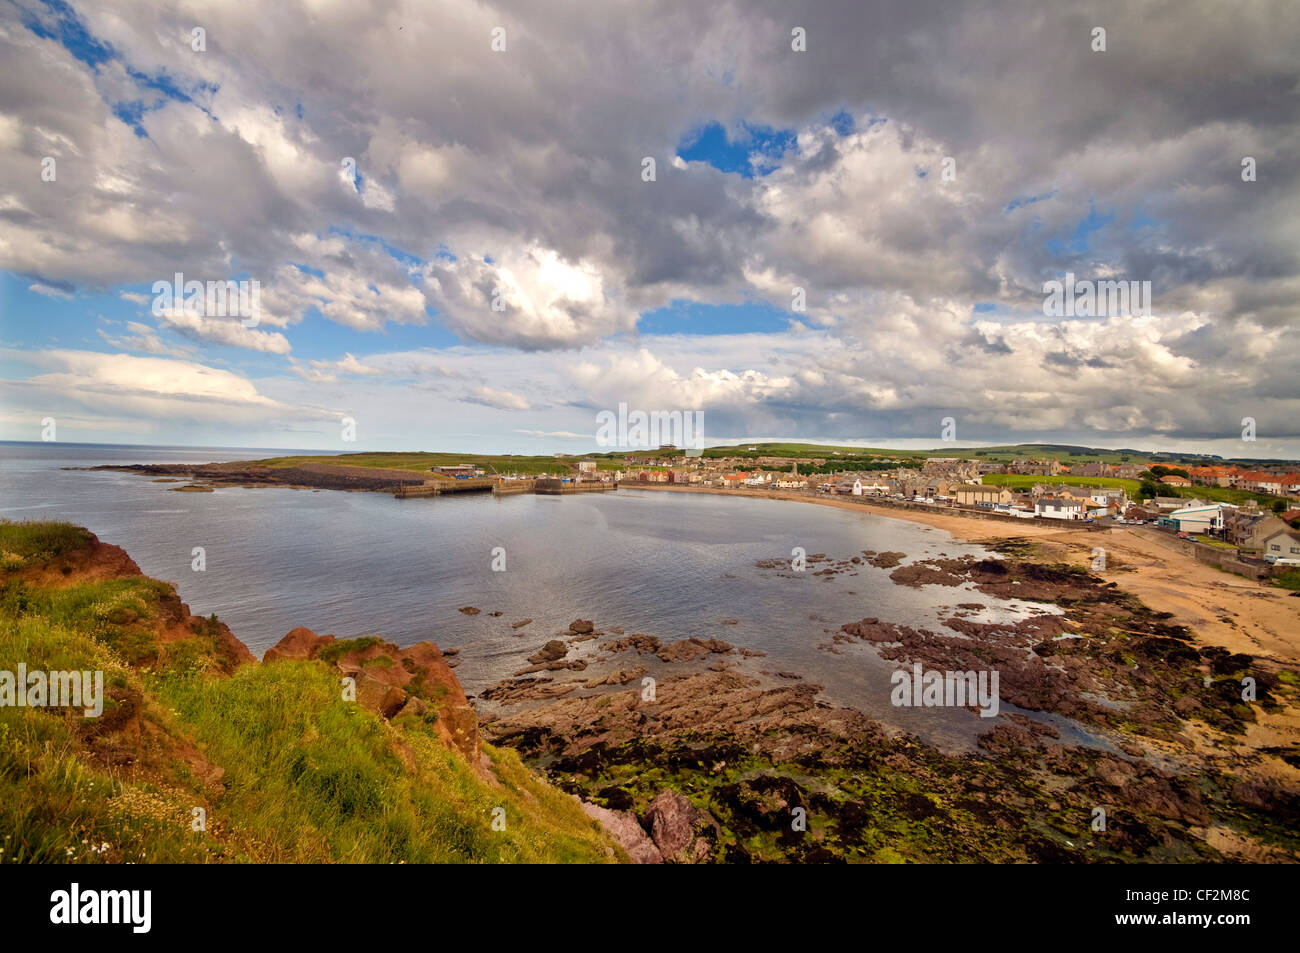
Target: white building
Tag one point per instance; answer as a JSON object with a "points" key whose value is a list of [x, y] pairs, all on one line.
{"points": [[869, 489], [1201, 519], [1058, 508]]}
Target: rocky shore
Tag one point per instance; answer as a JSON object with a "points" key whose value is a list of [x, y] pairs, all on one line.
{"points": [[307, 476], [767, 771]]}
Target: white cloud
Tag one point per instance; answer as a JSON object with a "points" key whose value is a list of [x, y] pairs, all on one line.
{"points": [[228, 331], [50, 292]]}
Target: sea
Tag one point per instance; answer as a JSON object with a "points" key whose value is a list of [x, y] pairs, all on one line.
{"points": [[666, 564]]}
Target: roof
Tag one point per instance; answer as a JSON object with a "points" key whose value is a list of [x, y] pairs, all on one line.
{"points": [[1195, 509]]}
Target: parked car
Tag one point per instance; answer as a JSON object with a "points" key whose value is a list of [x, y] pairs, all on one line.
{"points": [[1184, 536]]}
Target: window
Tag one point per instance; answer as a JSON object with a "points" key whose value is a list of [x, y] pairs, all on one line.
{"points": [[1275, 547]]}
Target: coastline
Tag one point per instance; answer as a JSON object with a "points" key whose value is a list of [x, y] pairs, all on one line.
{"points": [[1220, 608], [1199, 775]]}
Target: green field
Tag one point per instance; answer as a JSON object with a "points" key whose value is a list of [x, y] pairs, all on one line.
{"points": [[1215, 494], [1022, 481], [838, 457], [420, 461], [809, 450]]}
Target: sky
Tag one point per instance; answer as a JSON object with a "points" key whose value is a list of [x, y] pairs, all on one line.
{"points": [[447, 210]]}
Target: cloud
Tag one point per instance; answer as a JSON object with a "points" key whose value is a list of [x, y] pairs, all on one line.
{"points": [[518, 178], [328, 371], [227, 331], [564, 434], [154, 389], [50, 291], [144, 338], [493, 397]]}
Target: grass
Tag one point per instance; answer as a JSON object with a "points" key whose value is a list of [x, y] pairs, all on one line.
{"points": [[24, 544], [1216, 543], [1287, 579], [1025, 481], [421, 462], [284, 769], [1215, 494]]}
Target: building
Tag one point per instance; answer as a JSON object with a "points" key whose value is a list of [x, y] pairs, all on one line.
{"points": [[973, 494], [870, 489], [460, 469], [1200, 519], [1249, 531], [1169, 503], [1036, 467], [1281, 544], [1058, 508], [1172, 480]]}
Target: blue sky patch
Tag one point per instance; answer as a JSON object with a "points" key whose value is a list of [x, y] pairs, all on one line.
{"points": [[1020, 201], [755, 152], [1079, 242], [693, 317], [67, 29]]}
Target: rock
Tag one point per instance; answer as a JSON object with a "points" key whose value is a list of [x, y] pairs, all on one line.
{"points": [[521, 623], [683, 833], [581, 626], [686, 649], [525, 689], [378, 695], [620, 677], [300, 644], [626, 832], [388, 678], [470, 610], [644, 644], [576, 665], [413, 706], [552, 651]]}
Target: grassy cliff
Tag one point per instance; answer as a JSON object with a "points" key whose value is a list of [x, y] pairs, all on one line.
{"points": [[283, 768]]}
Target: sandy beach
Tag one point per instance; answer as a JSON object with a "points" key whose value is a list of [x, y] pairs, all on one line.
{"points": [[1221, 608]]}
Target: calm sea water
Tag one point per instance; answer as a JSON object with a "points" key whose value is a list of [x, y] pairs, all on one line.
{"points": [[668, 564]]}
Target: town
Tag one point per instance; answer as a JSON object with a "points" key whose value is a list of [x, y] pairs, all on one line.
{"points": [[1254, 512]]}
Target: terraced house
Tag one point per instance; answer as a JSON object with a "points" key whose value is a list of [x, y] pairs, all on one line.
{"points": [[973, 494]]}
